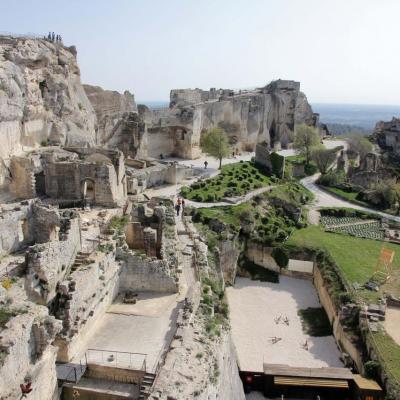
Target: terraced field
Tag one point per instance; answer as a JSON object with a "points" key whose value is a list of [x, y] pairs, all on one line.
{"points": [[358, 227]]}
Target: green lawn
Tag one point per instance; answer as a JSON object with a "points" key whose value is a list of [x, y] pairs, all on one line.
{"points": [[356, 257], [389, 351], [234, 180]]}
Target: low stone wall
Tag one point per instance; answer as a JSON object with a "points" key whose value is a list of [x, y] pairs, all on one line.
{"points": [[140, 273], [115, 374], [338, 332]]}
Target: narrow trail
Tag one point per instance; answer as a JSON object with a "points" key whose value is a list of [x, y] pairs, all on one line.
{"points": [[185, 248]]}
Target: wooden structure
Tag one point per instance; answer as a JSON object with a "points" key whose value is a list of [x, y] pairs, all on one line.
{"points": [[384, 266], [328, 383], [366, 389]]}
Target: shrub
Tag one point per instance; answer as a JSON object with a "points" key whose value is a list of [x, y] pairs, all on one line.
{"points": [[185, 191], [210, 197], [198, 197], [310, 169], [372, 369], [280, 256]]}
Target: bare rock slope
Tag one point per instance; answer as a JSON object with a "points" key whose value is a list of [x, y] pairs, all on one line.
{"points": [[41, 97]]}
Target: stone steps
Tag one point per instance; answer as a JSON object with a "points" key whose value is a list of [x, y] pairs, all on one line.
{"points": [[145, 387]]}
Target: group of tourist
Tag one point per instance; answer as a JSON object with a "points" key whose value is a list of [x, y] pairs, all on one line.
{"points": [[53, 38], [180, 204]]}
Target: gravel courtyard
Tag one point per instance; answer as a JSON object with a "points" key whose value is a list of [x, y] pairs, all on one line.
{"points": [[255, 305]]}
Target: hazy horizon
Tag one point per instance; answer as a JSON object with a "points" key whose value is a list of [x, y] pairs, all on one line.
{"points": [[341, 52]]}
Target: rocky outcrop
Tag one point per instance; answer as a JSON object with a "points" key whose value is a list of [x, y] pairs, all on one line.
{"points": [[26, 350], [118, 122], [267, 114], [41, 97], [387, 135]]}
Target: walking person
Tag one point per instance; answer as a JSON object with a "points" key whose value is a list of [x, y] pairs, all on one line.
{"points": [[205, 164], [177, 209]]}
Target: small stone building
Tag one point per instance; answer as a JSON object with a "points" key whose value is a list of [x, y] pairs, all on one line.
{"points": [[71, 174]]}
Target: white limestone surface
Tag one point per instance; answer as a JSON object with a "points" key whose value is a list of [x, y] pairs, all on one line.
{"points": [[255, 305], [149, 331]]}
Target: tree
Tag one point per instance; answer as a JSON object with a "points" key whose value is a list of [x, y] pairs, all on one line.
{"points": [[215, 144], [323, 158], [360, 144], [306, 137]]}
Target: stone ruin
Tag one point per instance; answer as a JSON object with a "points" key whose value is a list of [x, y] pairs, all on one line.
{"points": [[387, 135], [94, 175], [249, 117]]}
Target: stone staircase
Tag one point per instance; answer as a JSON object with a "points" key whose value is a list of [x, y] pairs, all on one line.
{"points": [[146, 385], [79, 260]]}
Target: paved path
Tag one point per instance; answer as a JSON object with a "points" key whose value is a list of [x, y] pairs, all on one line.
{"points": [[326, 199]]}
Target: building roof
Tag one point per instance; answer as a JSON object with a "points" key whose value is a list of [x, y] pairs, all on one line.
{"points": [[366, 384], [325, 372]]}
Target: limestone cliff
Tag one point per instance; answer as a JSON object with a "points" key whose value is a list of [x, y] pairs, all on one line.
{"points": [[118, 122], [268, 114], [41, 97]]}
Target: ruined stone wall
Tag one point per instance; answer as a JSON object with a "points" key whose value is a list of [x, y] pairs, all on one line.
{"points": [[140, 273], [185, 97], [156, 175], [22, 185], [118, 123], [64, 180], [16, 230], [80, 305], [42, 97], [46, 223], [28, 353], [47, 263]]}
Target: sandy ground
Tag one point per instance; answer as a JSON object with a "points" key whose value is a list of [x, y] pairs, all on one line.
{"points": [[253, 307], [148, 331], [148, 304], [392, 323]]}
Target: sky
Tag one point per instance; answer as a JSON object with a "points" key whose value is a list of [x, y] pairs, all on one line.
{"points": [[342, 51]]}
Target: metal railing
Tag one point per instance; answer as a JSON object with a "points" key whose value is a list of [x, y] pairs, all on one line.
{"points": [[75, 372], [122, 359]]}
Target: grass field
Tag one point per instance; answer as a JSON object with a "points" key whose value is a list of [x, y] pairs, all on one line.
{"points": [[234, 180], [356, 257], [389, 351]]}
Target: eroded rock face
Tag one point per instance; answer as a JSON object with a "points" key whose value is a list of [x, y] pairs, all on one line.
{"points": [[387, 135], [267, 114], [41, 97], [118, 122], [27, 353]]}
